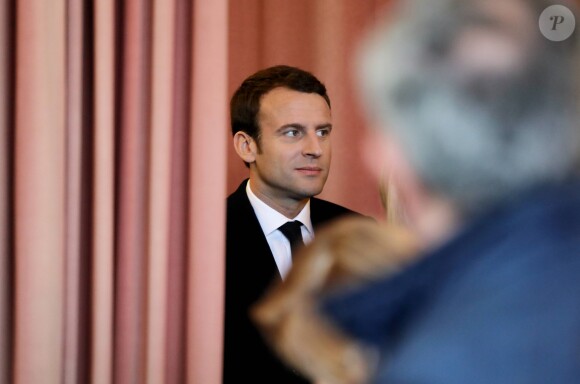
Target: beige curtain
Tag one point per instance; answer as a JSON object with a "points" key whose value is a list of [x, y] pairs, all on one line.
{"points": [[113, 126]]}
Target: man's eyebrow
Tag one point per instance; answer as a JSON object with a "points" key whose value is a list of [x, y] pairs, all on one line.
{"points": [[302, 127], [292, 125]]}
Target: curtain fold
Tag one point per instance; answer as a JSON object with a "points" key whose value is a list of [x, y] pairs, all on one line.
{"points": [[111, 222], [104, 94], [6, 209], [209, 124], [159, 181], [77, 128], [179, 221], [39, 191], [132, 180], [104, 157], [206, 276]]}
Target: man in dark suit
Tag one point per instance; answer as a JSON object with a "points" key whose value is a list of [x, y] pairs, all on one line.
{"points": [[281, 123]]}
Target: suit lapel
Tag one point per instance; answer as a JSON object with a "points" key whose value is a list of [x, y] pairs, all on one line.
{"points": [[249, 254]]}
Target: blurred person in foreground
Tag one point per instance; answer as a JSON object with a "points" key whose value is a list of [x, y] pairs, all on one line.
{"points": [[477, 117]]}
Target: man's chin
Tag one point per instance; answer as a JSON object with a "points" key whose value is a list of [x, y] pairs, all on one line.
{"points": [[309, 192]]}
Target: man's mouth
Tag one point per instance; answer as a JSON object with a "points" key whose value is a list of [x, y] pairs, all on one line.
{"points": [[309, 171]]}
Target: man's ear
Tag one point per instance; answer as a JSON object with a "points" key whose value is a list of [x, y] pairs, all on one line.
{"points": [[245, 146]]}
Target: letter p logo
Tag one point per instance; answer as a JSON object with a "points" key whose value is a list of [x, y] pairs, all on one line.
{"points": [[557, 23]]}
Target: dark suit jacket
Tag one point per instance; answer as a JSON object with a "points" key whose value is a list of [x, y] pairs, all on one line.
{"points": [[250, 270]]}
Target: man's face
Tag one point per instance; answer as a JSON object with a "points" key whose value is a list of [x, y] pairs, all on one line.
{"points": [[293, 158]]}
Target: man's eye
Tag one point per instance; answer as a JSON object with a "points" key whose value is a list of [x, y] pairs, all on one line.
{"points": [[323, 132], [292, 133]]}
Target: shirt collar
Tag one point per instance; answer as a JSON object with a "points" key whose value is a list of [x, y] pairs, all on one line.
{"points": [[270, 219]]}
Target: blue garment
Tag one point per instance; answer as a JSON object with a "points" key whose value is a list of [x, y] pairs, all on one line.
{"points": [[498, 304]]}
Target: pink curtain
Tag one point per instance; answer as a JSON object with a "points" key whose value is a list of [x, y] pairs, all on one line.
{"points": [[319, 36], [115, 160], [113, 135]]}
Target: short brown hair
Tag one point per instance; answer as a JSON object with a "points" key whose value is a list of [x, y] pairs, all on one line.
{"points": [[245, 103]]}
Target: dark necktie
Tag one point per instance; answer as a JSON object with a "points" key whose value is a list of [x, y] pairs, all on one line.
{"points": [[293, 233]]}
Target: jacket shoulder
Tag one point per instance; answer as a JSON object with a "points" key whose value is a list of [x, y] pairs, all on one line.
{"points": [[322, 211], [238, 199]]}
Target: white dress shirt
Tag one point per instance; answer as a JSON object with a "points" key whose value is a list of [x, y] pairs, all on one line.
{"points": [[270, 220]]}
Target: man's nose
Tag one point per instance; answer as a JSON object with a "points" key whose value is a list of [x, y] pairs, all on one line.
{"points": [[312, 145]]}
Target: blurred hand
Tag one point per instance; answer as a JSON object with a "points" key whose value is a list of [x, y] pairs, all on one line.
{"points": [[346, 253]]}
